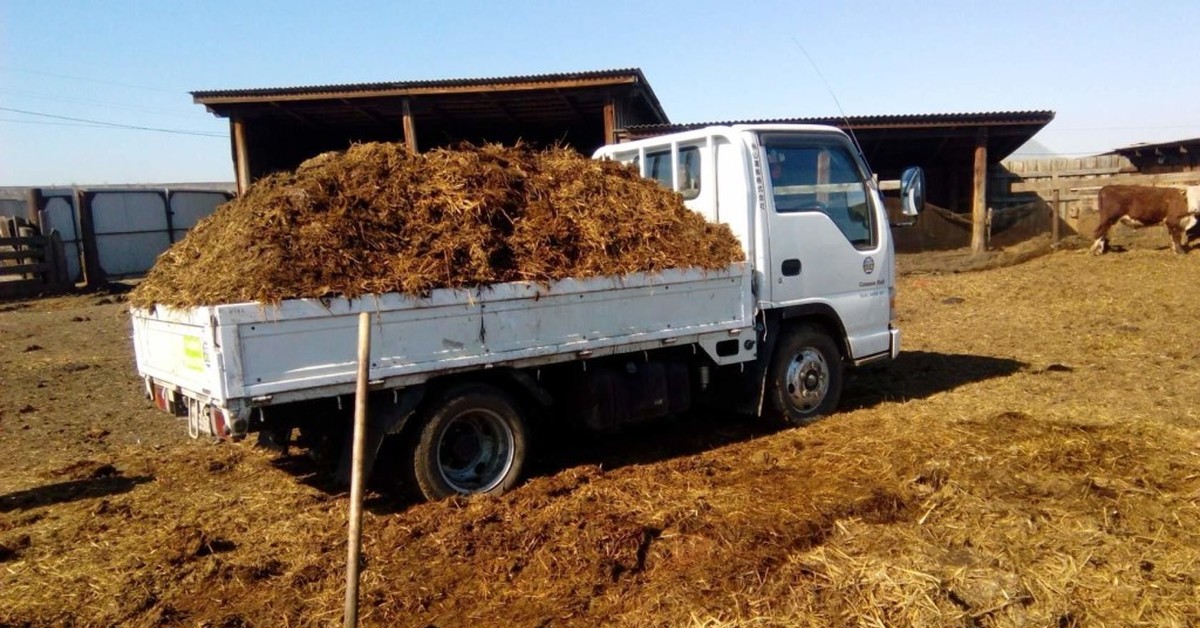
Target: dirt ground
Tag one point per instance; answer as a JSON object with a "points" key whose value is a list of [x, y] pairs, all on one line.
{"points": [[1033, 458]]}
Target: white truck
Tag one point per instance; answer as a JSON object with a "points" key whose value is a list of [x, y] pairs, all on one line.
{"points": [[457, 376]]}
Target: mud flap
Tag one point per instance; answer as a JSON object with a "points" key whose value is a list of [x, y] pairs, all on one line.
{"points": [[754, 384], [382, 420]]}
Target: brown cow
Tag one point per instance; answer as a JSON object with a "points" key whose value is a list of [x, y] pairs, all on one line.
{"points": [[1141, 206]]}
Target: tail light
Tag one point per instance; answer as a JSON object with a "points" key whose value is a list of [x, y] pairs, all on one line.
{"points": [[160, 398], [220, 428], [167, 400], [226, 424]]}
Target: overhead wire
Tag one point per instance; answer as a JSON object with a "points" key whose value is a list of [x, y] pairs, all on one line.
{"points": [[157, 111], [115, 125], [89, 80], [92, 123], [51, 123]]}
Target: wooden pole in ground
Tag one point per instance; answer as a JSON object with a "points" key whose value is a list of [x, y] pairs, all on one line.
{"points": [[1055, 216], [354, 545], [979, 195]]}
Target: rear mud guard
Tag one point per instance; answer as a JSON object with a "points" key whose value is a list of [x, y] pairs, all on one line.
{"points": [[382, 420], [755, 384]]}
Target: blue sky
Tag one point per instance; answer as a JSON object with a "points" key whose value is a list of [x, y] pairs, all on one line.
{"points": [[1116, 73]]}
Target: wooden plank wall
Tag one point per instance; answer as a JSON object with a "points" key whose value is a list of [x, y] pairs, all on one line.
{"points": [[30, 263], [1076, 182]]}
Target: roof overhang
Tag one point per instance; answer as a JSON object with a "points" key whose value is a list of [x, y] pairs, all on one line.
{"points": [[920, 139], [540, 99], [1159, 148]]}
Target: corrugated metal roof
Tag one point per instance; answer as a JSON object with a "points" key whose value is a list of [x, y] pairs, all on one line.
{"points": [[884, 121], [509, 88], [894, 140], [532, 79], [1151, 147]]}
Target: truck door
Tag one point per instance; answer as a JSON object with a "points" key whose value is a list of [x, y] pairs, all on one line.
{"points": [[826, 235]]}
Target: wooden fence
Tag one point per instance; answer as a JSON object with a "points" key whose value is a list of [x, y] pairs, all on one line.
{"points": [[1071, 185], [30, 263]]}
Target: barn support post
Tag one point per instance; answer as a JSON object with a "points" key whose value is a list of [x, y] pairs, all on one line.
{"points": [[1055, 217], [93, 274], [241, 159], [410, 128], [34, 202], [979, 195], [610, 121]]}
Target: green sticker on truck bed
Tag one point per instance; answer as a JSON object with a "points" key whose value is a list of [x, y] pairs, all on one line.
{"points": [[193, 353]]}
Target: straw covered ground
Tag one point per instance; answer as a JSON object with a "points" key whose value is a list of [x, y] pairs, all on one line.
{"points": [[376, 218], [1032, 459]]}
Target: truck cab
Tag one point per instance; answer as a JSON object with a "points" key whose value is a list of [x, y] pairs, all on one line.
{"points": [[808, 213]]}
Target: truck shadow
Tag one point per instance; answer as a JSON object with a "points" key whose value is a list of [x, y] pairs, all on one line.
{"points": [[921, 374], [914, 375]]}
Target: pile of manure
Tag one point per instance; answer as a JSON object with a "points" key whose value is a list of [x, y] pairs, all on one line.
{"points": [[377, 219]]}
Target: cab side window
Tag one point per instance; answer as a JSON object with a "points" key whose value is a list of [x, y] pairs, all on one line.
{"points": [[689, 172], [822, 178], [658, 167]]}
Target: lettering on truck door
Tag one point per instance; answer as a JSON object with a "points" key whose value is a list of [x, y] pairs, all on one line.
{"points": [[826, 234]]}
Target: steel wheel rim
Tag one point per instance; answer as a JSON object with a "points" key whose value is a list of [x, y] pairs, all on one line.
{"points": [[807, 379], [475, 451]]}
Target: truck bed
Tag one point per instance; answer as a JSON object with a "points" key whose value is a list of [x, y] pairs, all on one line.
{"points": [[250, 354]]}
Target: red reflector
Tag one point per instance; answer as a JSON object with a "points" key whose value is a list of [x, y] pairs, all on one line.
{"points": [[220, 428], [160, 399]]}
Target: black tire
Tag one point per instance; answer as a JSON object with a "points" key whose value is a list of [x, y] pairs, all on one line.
{"points": [[805, 379], [472, 440]]}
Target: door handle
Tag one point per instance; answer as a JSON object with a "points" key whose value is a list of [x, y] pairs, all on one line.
{"points": [[790, 268]]}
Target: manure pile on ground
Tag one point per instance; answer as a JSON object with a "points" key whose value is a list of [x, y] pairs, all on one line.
{"points": [[376, 219], [1031, 459]]}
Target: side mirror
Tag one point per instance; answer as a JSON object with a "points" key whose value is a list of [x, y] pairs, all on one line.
{"points": [[912, 191]]}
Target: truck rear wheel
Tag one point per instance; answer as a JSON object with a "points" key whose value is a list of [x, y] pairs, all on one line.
{"points": [[805, 380], [473, 441]]}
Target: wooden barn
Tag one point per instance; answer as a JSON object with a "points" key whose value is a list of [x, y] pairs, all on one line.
{"points": [[1164, 157], [277, 128]]}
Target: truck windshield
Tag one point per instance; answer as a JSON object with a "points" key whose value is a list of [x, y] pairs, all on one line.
{"points": [[814, 174]]}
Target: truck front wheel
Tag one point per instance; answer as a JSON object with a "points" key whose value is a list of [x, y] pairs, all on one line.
{"points": [[473, 441], [805, 379]]}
